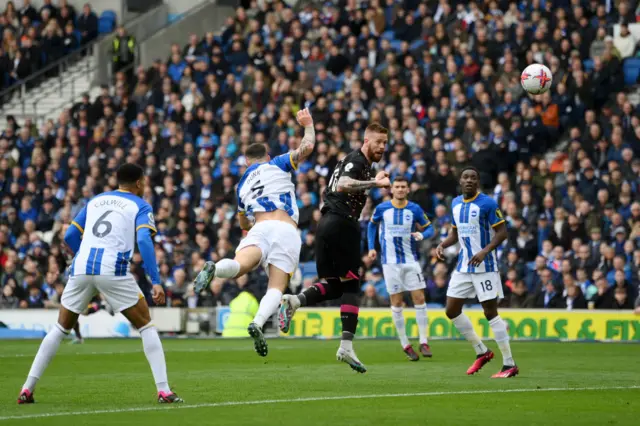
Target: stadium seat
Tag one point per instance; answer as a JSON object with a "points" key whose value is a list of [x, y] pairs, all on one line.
{"points": [[417, 44], [107, 22], [588, 65], [78, 35], [388, 35], [396, 45], [631, 70]]}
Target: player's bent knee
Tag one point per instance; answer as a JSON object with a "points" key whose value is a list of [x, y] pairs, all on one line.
{"points": [[351, 286], [66, 318], [138, 315], [418, 297]]}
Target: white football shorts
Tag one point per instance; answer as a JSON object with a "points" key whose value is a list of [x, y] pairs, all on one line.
{"points": [[486, 286], [119, 292], [403, 277], [279, 242]]}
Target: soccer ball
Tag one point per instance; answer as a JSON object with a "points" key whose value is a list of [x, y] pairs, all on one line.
{"points": [[536, 79]]}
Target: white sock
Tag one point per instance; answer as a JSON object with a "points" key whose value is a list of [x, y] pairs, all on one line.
{"points": [[464, 326], [346, 344], [155, 356], [227, 268], [268, 306], [421, 319], [47, 350], [501, 335], [398, 320]]}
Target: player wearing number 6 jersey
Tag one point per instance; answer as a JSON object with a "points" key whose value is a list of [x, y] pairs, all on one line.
{"points": [[102, 238], [479, 227], [402, 225], [266, 197]]}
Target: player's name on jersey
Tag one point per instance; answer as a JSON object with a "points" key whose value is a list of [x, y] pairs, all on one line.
{"points": [[523, 324], [120, 203]]}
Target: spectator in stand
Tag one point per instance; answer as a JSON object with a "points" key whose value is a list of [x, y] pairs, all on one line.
{"points": [[87, 25]]}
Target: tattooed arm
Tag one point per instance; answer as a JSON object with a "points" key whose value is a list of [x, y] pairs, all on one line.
{"points": [[347, 184], [308, 140], [306, 146]]}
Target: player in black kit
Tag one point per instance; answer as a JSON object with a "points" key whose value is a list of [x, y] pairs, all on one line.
{"points": [[338, 240]]}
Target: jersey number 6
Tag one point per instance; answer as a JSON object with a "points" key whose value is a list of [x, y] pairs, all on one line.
{"points": [[106, 230]]}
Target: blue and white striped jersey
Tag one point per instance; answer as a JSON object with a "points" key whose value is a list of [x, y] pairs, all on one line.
{"points": [[266, 187], [108, 224], [474, 219], [397, 222]]}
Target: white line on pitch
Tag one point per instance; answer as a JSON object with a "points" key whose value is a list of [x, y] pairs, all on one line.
{"points": [[135, 351], [310, 399]]}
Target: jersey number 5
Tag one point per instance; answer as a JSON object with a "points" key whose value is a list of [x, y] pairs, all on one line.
{"points": [[257, 189], [102, 227]]}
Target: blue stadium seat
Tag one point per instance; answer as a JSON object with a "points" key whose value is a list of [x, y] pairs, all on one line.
{"points": [[388, 35], [107, 22], [631, 70], [173, 17], [78, 35], [308, 269], [416, 44], [396, 45], [588, 65]]}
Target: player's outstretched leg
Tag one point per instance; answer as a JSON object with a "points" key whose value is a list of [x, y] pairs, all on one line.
{"points": [[315, 294], [140, 318], [421, 319], [46, 352], [349, 315], [245, 261], [465, 327], [499, 327]]}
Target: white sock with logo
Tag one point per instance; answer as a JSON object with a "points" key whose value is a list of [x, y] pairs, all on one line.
{"points": [[46, 352], [155, 356], [268, 306], [465, 327], [501, 335], [398, 320], [227, 268], [421, 319]]}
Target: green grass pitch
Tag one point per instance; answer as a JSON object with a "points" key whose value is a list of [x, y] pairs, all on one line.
{"points": [[108, 382]]}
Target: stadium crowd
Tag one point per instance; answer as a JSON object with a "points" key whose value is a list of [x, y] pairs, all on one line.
{"points": [[443, 76], [31, 39]]}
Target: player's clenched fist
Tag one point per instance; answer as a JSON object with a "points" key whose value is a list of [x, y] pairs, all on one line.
{"points": [[157, 294], [373, 255], [382, 180], [304, 118]]}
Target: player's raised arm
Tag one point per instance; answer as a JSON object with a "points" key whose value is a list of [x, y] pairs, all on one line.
{"points": [[308, 140]]}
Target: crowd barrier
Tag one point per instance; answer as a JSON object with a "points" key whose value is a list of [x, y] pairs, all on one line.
{"points": [[580, 325]]}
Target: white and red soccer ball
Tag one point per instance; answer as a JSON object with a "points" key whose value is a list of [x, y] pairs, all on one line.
{"points": [[536, 79]]}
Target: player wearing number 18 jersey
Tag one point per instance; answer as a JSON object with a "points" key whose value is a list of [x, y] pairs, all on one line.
{"points": [[102, 237], [479, 228]]}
